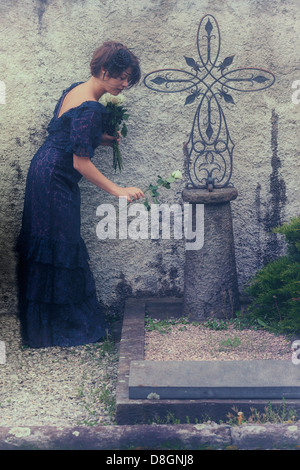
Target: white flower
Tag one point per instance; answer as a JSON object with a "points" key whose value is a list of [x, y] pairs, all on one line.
{"points": [[177, 175], [108, 98]]}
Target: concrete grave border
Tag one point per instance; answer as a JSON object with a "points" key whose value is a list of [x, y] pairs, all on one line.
{"points": [[144, 411]]}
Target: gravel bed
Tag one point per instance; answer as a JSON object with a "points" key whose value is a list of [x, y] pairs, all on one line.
{"points": [[55, 386], [189, 342], [76, 386]]}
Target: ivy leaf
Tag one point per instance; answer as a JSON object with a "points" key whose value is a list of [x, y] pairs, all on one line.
{"points": [[147, 205], [262, 323], [153, 190], [124, 130]]}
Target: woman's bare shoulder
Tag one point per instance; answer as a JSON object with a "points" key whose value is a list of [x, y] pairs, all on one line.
{"points": [[75, 98]]}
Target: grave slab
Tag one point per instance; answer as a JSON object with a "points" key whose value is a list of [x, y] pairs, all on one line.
{"points": [[145, 410], [214, 379]]}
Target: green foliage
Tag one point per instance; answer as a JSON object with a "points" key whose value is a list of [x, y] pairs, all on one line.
{"points": [[153, 189], [216, 324], [275, 290], [291, 231]]}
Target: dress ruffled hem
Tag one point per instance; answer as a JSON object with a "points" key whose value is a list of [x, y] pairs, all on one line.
{"points": [[58, 271], [57, 253], [58, 286], [68, 325]]}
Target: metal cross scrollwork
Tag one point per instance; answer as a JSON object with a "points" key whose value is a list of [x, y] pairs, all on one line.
{"points": [[209, 148]]}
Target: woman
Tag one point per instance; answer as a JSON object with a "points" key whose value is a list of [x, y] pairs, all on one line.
{"points": [[58, 305]]}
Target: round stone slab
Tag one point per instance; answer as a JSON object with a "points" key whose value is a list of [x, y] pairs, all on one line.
{"points": [[203, 196]]}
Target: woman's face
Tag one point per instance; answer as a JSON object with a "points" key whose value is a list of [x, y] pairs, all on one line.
{"points": [[115, 85]]}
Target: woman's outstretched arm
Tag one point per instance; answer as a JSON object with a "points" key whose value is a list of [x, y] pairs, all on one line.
{"points": [[87, 169]]}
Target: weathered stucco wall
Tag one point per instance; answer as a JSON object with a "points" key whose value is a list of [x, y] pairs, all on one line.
{"points": [[47, 44]]}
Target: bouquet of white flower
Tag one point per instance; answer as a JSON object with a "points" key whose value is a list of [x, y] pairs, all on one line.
{"points": [[113, 123]]}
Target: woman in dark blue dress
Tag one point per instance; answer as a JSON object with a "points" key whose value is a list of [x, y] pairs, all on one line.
{"points": [[58, 304]]}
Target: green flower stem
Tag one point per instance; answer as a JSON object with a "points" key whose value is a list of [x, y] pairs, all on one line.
{"points": [[153, 189], [117, 159]]}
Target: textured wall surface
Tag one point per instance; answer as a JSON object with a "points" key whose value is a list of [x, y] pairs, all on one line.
{"points": [[47, 44]]}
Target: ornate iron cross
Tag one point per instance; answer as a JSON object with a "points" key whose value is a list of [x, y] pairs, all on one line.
{"points": [[209, 148]]}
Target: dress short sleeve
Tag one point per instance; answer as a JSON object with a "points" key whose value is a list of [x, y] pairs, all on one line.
{"points": [[85, 132]]}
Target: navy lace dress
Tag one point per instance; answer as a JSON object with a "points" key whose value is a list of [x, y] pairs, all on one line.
{"points": [[58, 305]]}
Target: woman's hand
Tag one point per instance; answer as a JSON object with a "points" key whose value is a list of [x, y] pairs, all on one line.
{"points": [[108, 140], [131, 193]]}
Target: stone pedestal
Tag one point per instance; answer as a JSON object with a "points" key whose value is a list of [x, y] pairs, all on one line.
{"points": [[210, 278]]}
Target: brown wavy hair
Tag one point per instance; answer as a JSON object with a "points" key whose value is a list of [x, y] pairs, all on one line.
{"points": [[115, 58]]}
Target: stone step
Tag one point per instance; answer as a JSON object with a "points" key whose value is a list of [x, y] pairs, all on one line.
{"points": [[257, 379]]}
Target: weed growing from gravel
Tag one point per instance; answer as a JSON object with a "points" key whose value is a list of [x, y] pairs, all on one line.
{"points": [[228, 343], [163, 326], [280, 414], [216, 324]]}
